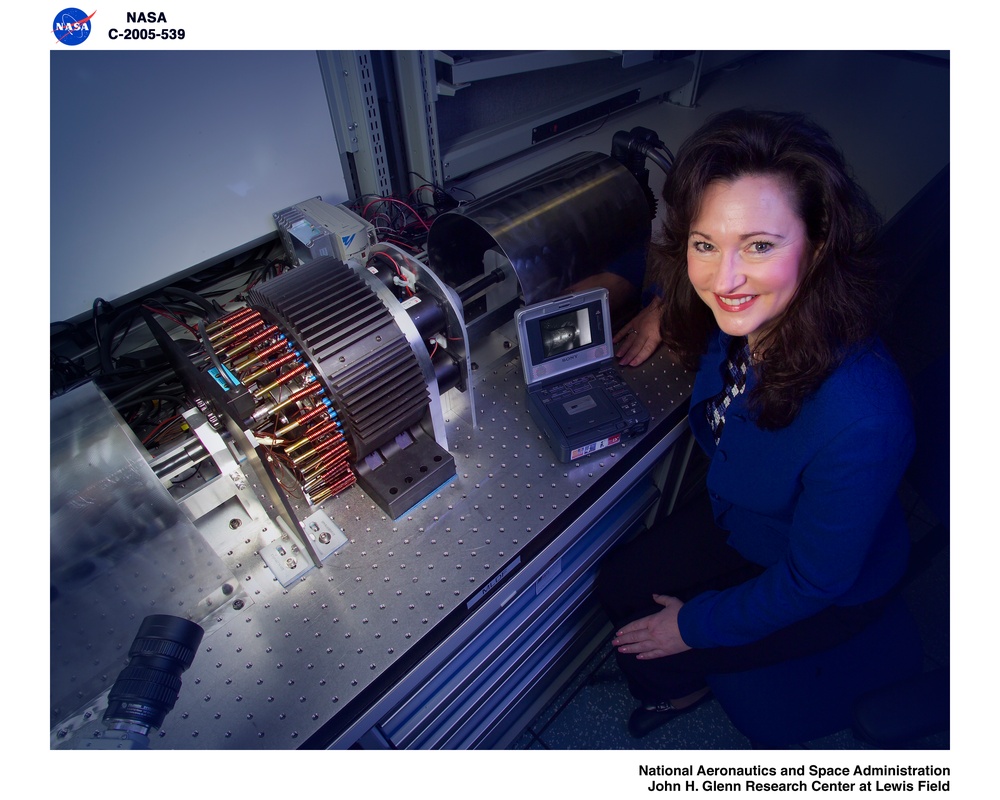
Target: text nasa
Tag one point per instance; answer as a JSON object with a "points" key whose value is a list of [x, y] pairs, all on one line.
{"points": [[148, 19], [145, 16]]}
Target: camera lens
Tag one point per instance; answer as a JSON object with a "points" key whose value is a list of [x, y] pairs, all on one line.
{"points": [[147, 688]]}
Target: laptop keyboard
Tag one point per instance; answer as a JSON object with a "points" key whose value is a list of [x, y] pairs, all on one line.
{"points": [[607, 378]]}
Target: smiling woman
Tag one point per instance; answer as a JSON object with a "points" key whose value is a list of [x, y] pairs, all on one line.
{"points": [[759, 169], [748, 248], [768, 292]]}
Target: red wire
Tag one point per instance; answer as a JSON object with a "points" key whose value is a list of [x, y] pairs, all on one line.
{"points": [[171, 317], [160, 427], [414, 194], [393, 262], [400, 202]]}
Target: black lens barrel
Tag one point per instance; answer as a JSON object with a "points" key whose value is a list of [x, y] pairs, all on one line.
{"points": [[147, 688]]}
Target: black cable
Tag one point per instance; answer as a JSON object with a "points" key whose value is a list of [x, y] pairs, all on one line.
{"points": [[667, 151], [432, 184], [105, 342], [163, 398], [107, 345], [257, 267], [114, 346], [207, 344], [182, 309], [95, 313], [143, 388], [212, 311], [155, 413], [659, 159], [227, 269], [122, 377], [65, 372]]}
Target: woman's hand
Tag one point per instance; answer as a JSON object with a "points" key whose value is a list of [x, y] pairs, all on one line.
{"points": [[654, 636], [638, 340]]}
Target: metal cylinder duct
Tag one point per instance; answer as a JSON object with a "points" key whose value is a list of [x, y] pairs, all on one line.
{"points": [[555, 227]]}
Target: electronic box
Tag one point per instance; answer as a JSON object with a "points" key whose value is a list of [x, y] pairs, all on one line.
{"points": [[575, 391]]}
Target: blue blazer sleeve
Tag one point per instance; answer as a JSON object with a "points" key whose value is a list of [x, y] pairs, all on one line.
{"points": [[815, 503], [631, 265]]}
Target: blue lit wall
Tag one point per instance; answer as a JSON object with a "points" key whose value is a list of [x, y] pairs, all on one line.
{"points": [[164, 160]]}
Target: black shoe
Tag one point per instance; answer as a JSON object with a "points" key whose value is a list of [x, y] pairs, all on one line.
{"points": [[646, 719]]}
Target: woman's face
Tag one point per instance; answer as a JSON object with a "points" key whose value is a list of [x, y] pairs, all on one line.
{"points": [[747, 251]]}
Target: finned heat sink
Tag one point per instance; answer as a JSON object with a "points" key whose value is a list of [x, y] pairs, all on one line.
{"points": [[357, 351]]}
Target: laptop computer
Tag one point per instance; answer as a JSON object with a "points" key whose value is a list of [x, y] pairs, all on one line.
{"points": [[575, 392]]}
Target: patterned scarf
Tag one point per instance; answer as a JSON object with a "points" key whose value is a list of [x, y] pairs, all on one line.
{"points": [[736, 380]]}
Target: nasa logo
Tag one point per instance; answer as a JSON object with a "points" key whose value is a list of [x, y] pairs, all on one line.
{"points": [[72, 26]]}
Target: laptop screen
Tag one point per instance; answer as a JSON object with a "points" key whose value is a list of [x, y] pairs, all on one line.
{"points": [[562, 335], [564, 332]]}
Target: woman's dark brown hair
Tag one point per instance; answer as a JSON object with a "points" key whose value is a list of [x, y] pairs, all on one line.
{"points": [[835, 306]]}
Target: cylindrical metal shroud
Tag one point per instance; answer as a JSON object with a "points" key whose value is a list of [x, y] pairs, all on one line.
{"points": [[556, 227]]}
